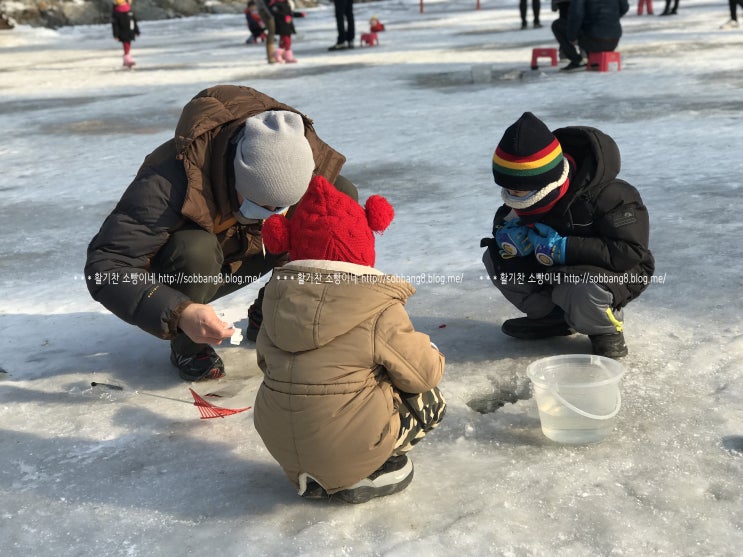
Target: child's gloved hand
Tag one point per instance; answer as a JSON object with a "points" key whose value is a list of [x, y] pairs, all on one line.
{"points": [[513, 240], [549, 246]]}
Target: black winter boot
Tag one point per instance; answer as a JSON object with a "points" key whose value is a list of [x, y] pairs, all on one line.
{"points": [[551, 325], [611, 345]]}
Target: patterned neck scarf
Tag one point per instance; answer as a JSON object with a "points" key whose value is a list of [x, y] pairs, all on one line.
{"points": [[541, 201]]}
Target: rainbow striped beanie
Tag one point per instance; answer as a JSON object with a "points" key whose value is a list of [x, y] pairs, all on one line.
{"points": [[528, 157]]}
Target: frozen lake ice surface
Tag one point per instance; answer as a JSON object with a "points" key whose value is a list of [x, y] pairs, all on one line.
{"points": [[91, 471]]}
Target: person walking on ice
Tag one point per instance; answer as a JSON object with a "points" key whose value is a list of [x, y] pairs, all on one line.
{"points": [[349, 386], [125, 28]]}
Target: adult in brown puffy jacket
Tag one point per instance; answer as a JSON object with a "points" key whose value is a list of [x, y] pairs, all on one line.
{"points": [[188, 228], [349, 385]]}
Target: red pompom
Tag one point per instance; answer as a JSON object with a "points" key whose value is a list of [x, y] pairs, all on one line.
{"points": [[275, 234], [379, 213]]}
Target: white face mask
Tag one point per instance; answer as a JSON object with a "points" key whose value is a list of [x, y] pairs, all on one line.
{"points": [[251, 211], [518, 201]]}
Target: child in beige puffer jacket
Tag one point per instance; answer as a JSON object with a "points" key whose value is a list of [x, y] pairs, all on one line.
{"points": [[349, 385]]}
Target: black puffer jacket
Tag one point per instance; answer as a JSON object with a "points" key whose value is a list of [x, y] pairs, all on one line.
{"points": [[124, 25], [603, 217], [596, 18], [187, 181]]}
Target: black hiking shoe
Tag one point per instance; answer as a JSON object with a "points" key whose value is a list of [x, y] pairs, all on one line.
{"points": [[574, 66], [610, 346], [551, 325], [393, 476], [198, 367]]}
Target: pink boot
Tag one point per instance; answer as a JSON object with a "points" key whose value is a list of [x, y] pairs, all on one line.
{"points": [[128, 62], [279, 55], [289, 57]]}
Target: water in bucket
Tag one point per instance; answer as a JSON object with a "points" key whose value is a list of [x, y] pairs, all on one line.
{"points": [[577, 396]]}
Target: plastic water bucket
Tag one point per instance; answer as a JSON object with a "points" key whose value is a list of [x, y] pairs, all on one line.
{"points": [[577, 396]]}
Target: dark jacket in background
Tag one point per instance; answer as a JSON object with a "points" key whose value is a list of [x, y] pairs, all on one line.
{"points": [[556, 4], [596, 18]]}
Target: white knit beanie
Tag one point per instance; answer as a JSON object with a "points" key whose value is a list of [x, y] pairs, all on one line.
{"points": [[273, 160]]}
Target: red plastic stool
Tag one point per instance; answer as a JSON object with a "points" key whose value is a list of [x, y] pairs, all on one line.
{"points": [[604, 61], [370, 39], [537, 53]]}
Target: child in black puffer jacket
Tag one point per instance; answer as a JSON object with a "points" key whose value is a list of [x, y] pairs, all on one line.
{"points": [[570, 243]]}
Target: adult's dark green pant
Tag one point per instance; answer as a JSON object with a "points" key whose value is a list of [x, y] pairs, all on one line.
{"points": [[194, 260]]}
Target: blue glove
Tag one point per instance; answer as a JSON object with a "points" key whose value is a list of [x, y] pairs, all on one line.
{"points": [[549, 246], [513, 240]]}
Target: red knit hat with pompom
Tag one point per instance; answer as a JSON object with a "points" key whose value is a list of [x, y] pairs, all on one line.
{"points": [[329, 225]]}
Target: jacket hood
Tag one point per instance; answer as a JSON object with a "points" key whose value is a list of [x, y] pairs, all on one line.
{"points": [[309, 303], [203, 142], [214, 107], [596, 155]]}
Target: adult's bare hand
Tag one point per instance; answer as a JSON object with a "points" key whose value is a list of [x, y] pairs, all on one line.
{"points": [[202, 325]]}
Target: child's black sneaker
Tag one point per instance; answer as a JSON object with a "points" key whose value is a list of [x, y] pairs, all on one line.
{"points": [[551, 325], [310, 489], [393, 476], [610, 346], [202, 366]]}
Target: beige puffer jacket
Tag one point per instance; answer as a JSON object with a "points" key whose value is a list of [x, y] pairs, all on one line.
{"points": [[335, 340]]}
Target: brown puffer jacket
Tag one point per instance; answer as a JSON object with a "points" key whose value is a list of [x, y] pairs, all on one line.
{"points": [[186, 180], [335, 340]]}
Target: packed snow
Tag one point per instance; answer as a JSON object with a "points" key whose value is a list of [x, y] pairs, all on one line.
{"points": [[128, 467]]}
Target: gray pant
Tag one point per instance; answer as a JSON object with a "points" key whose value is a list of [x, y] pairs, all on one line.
{"points": [[587, 305]]}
